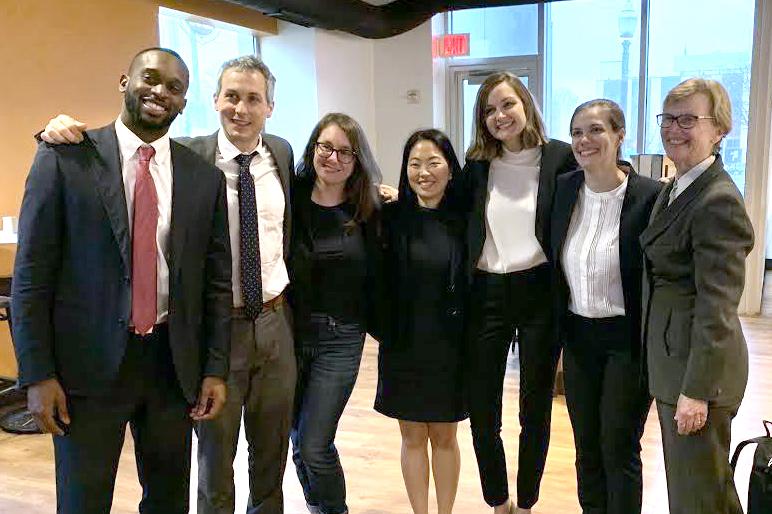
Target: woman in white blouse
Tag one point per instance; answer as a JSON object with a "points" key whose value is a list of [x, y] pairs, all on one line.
{"points": [[510, 174], [598, 213]]}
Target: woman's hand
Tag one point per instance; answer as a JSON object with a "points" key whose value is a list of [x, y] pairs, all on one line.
{"points": [[387, 193], [691, 415]]}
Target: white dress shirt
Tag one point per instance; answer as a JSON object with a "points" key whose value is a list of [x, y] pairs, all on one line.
{"points": [[591, 254], [681, 183], [269, 196], [510, 213], [161, 172]]}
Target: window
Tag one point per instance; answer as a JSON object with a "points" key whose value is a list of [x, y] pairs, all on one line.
{"points": [[593, 51], [713, 41], [204, 45], [491, 30]]}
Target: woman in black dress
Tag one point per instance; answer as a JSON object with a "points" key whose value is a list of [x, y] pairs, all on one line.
{"points": [[419, 366], [334, 202]]}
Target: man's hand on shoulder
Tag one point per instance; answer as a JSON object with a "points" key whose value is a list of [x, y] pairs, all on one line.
{"points": [[63, 130]]}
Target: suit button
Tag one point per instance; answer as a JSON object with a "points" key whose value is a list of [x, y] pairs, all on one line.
{"points": [[451, 288], [126, 280], [453, 312], [121, 321]]}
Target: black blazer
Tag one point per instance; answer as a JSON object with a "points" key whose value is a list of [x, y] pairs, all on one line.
{"points": [[695, 251], [636, 208], [556, 159], [72, 276], [392, 300], [206, 147]]}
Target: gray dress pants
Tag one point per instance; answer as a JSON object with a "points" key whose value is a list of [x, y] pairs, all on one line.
{"points": [[261, 387], [699, 477]]}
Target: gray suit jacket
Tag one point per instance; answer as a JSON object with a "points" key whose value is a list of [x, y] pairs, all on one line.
{"points": [[694, 264]]}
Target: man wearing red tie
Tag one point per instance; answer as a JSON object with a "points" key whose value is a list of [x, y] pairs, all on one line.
{"points": [[122, 296]]}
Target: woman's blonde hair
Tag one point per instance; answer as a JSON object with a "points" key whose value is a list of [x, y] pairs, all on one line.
{"points": [[484, 146], [720, 105]]}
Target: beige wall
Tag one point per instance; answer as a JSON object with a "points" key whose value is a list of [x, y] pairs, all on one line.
{"points": [[66, 56]]}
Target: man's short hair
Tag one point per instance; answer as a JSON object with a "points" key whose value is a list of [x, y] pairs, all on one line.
{"points": [[159, 49], [249, 63]]}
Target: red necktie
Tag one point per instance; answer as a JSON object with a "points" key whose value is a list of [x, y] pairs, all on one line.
{"points": [[144, 252]]}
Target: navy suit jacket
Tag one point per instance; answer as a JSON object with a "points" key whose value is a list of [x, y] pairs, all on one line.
{"points": [[72, 278]]}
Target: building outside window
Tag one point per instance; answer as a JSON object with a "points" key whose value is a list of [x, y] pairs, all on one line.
{"points": [[593, 49]]}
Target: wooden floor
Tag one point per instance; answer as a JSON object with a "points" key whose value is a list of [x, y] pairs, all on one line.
{"points": [[369, 447]]}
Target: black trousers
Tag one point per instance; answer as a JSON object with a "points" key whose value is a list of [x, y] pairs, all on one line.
{"points": [[147, 397], [608, 401], [699, 477], [506, 308]]}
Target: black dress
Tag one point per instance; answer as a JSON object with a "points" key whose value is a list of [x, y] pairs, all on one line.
{"points": [[419, 365]]}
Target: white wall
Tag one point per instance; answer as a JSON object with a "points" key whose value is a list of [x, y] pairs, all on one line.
{"points": [[344, 76], [401, 63], [320, 71]]}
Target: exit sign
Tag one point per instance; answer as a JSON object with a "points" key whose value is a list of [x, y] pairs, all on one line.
{"points": [[450, 45]]}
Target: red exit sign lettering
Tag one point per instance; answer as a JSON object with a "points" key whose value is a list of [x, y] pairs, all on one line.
{"points": [[450, 45]]}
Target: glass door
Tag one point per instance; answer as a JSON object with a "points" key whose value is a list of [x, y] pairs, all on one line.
{"points": [[465, 81]]}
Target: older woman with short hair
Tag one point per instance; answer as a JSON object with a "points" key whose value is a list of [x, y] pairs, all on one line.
{"points": [[695, 248]]}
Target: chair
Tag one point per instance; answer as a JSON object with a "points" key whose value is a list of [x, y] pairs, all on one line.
{"points": [[16, 418]]}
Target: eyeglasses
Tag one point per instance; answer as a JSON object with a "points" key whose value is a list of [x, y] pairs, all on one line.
{"points": [[685, 121], [345, 155]]}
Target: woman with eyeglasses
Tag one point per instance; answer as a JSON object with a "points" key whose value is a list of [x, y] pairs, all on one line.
{"points": [[420, 360], [694, 253], [510, 172], [335, 203], [599, 212]]}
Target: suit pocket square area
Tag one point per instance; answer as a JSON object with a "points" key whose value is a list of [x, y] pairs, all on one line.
{"points": [[677, 333]]}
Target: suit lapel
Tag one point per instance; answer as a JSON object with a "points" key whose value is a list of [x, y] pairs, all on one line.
{"points": [[281, 159], [108, 174], [564, 209], [627, 243], [183, 203], [547, 173], [663, 215]]}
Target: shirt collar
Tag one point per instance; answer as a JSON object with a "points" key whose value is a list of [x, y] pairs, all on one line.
{"points": [[228, 150], [129, 142], [692, 175]]}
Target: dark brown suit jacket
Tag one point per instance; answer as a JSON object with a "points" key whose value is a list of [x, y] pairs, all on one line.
{"points": [[694, 262]]}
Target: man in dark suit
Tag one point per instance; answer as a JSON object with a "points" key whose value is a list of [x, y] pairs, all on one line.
{"points": [[695, 248], [121, 296], [261, 383]]}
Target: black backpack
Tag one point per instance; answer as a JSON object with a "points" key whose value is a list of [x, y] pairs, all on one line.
{"points": [[760, 486]]}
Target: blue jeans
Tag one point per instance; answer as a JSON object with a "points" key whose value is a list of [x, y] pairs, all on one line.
{"points": [[328, 363]]}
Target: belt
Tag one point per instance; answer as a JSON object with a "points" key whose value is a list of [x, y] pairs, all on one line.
{"points": [[274, 302]]}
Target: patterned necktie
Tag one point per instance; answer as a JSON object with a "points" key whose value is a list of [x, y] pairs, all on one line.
{"points": [[673, 192], [251, 283], [144, 253]]}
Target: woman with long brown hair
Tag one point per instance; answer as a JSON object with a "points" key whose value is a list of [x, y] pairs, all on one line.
{"points": [[510, 172], [334, 203]]}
